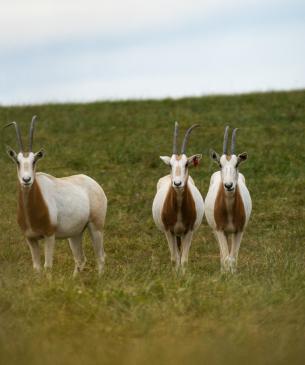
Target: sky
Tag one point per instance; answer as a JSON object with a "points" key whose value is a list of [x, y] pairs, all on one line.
{"points": [[80, 51]]}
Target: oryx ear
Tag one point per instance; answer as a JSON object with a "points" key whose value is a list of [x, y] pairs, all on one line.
{"points": [[215, 156], [166, 159], [194, 160], [38, 155], [11, 153], [242, 157]]}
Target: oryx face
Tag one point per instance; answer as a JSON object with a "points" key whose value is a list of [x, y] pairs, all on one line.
{"points": [[229, 163], [180, 163], [26, 165], [229, 172], [179, 168], [25, 161]]}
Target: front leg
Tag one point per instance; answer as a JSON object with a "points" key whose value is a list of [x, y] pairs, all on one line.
{"points": [[97, 237], [34, 248], [236, 240], [78, 253], [224, 250], [173, 247], [186, 244], [49, 244]]}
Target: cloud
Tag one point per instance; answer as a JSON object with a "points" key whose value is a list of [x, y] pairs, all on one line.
{"points": [[24, 23], [84, 51], [222, 63]]}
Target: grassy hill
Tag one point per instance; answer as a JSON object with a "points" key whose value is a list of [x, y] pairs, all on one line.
{"points": [[140, 311]]}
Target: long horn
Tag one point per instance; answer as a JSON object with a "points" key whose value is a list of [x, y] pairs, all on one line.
{"points": [[175, 149], [32, 128], [225, 141], [186, 137], [19, 139], [233, 141]]}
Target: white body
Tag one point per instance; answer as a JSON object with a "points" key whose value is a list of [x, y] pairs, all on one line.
{"points": [[50, 207], [74, 203], [228, 257]]}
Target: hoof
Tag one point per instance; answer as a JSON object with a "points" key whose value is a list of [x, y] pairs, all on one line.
{"points": [[229, 265], [82, 265], [48, 274], [75, 273], [183, 267], [100, 270], [37, 269], [79, 267]]}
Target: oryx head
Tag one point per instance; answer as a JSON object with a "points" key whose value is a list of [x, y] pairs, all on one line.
{"points": [[229, 162], [25, 161], [180, 163]]}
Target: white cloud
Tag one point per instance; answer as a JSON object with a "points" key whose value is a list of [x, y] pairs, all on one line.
{"points": [[222, 63], [91, 50], [23, 23]]}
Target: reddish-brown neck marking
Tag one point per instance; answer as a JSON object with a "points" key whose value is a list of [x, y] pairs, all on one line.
{"points": [[225, 213], [33, 214], [176, 208]]}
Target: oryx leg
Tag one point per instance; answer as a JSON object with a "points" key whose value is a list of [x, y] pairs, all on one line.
{"points": [[173, 247], [224, 250], [78, 254], [236, 240], [97, 237], [49, 243], [34, 248], [186, 242]]}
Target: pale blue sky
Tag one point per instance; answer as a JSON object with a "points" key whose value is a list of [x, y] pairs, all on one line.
{"points": [[58, 51]]}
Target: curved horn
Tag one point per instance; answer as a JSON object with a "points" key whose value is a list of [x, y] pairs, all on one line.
{"points": [[225, 141], [175, 149], [186, 137], [19, 139], [32, 128], [233, 141]]}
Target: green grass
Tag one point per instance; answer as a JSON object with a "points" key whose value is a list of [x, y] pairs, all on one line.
{"points": [[140, 311]]}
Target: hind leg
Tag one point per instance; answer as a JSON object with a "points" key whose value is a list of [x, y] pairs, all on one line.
{"points": [[78, 254], [49, 243], [97, 237], [34, 248]]}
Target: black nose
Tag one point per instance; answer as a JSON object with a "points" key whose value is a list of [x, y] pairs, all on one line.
{"points": [[177, 183], [26, 179], [228, 185]]}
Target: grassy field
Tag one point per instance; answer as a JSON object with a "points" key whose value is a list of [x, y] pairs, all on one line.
{"points": [[140, 310]]}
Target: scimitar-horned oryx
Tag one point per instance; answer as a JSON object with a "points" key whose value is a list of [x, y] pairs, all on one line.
{"points": [[178, 206], [50, 207], [228, 203]]}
